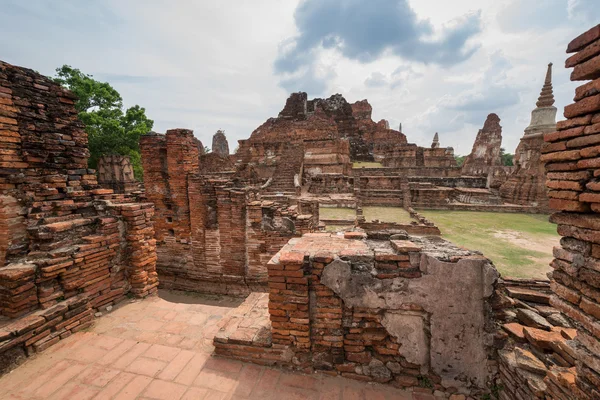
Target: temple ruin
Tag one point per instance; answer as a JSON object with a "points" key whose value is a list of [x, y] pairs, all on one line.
{"points": [[527, 185], [383, 302], [115, 172], [68, 245]]}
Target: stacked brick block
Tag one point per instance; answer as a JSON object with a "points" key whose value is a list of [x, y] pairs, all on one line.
{"points": [[572, 166], [64, 240], [43, 328], [288, 301]]}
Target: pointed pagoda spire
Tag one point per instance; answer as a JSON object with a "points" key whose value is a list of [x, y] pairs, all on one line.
{"points": [[546, 98], [436, 141]]}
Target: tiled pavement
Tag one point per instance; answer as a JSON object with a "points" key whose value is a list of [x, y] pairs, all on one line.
{"points": [[161, 348]]}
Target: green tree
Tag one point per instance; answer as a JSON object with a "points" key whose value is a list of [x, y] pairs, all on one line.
{"points": [[460, 160], [507, 158], [110, 129]]}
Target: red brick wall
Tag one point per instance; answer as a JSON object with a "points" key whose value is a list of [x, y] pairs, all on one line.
{"points": [[211, 236], [572, 165], [67, 245]]}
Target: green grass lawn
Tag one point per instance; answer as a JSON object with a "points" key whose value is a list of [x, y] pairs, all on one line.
{"points": [[361, 164], [387, 214], [371, 213], [520, 245], [337, 213]]}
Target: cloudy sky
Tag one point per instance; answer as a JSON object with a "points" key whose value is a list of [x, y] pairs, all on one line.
{"points": [[433, 65]]}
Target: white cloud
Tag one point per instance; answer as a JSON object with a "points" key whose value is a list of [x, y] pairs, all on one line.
{"points": [[210, 65]]}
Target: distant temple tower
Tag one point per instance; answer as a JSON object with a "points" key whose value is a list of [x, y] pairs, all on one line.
{"points": [[527, 186], [436, 142], [400, 127], [543, 117], [220, 145]]}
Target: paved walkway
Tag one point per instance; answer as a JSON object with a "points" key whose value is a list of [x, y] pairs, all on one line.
{"points": [[161, 348]]}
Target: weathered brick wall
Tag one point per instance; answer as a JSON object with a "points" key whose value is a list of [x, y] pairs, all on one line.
{"points": [[330, 183], [486, 148], [381, 190], [571, 157], [527, 185], [115, 172], [411, 155], [211, 234], [417, 173], [326, 157], [67, 245], [372, 311]]}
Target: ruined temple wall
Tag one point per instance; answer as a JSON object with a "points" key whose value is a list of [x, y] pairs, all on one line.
{"points": [[382, 190], [115, 172], [439, 157], [371, 311], [486, 148], [571, 157], [68, 245], [211, 236], [527, 184], [214, 163], [330, 183], [499, 175], [411, 155], [326, 157], [416, 172]]}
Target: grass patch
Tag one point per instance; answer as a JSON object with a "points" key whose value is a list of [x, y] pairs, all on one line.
{"points": [[387, 214], [337, 213], [520, 245], [365, 164]]}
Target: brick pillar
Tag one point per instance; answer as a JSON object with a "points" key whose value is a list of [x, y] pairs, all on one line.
{"points": [[327, 334], [255, 244], [198, 216], [141, 248], [232, 224], [182, 159], [573, 169], [288, 300], [153, 148]]}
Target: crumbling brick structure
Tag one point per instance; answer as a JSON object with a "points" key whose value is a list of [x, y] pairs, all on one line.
{"points": [[572, 165], [527, 185], [486, 149], [66, 245], [388, 308], [115, 172], [213, 232], [220, 145], [311, 145]]}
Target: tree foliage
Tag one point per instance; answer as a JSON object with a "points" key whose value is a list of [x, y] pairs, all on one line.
{"points": [[507, 158], [460, 160], [110, 129]]}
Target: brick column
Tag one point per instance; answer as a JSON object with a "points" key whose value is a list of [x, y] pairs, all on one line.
{"points": [[327, 334], [288, 300], [573, 166], [141, 248]]}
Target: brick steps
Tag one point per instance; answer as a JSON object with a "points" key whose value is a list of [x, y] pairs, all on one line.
{"points": [[247, 323], [245, 334], [290, 165]]}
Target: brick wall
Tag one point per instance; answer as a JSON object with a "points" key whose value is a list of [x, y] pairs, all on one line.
{"points": [[372, 311], [571, 157], [67, 245], [213, 232]]}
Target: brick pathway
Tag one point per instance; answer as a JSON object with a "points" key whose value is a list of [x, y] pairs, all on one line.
{"points": [[161, 348]]}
